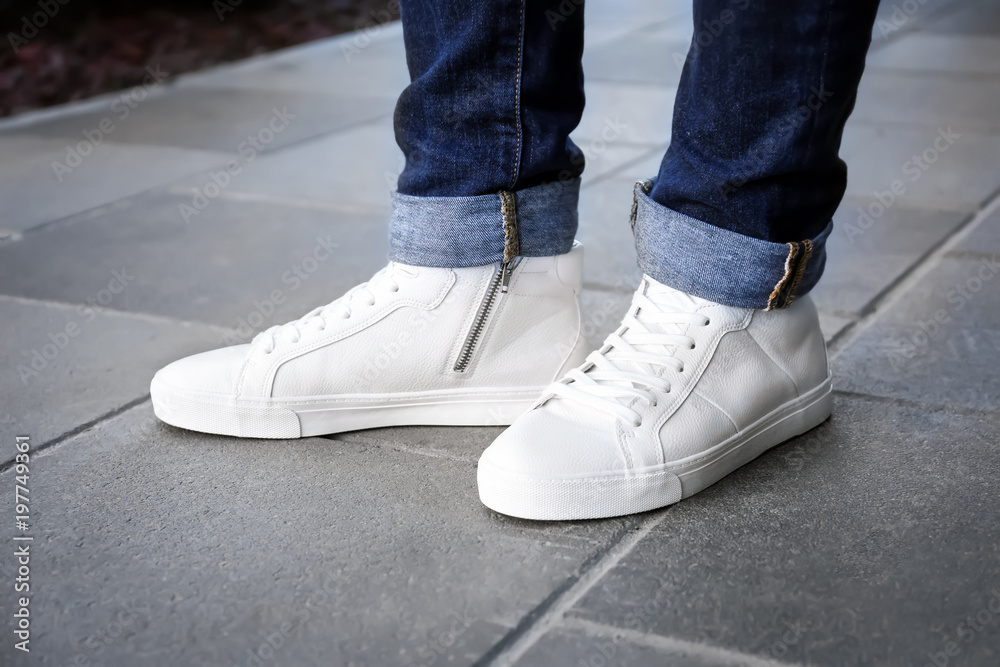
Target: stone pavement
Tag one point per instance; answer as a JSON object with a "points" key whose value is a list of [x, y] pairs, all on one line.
{"points": [[872, 540]]}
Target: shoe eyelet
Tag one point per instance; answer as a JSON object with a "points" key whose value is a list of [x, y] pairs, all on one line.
{"points": [[692, 346], [681, 370], [707, 322], [637, 424]]}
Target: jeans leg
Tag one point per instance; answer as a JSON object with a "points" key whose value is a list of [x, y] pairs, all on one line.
{"points": [[740, 210], [496, 88]]}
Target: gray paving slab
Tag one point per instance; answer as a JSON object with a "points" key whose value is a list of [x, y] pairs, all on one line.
{"points": [[939, 344], [65, 365], [225, 119], [653, 55], [577, 647], [605, 207], [939, 52], [968, 18], [985, 238], [866, 542], [234, 264], [935, 99], [373, 555], [33, 190], [894, 20], [831, 325], [960, 178], [616, 112], [866, 254], [349, 65], [354, 170]]}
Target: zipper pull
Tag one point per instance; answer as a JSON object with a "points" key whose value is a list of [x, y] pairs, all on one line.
{"points": [[506, 268], [512, 245]]}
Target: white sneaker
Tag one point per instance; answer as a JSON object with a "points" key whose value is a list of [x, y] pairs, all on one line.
{"points": [[682, 394], [414, 345]]}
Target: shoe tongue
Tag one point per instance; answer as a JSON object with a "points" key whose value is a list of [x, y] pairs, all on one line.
{"points": [[669, 298]]}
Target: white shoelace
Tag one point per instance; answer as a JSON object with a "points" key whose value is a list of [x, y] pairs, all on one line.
{"points": [[625, 369], [317, 319]]}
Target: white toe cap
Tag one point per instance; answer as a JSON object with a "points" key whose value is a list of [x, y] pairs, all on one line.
{"points": [[556, 440], [215, 371]]}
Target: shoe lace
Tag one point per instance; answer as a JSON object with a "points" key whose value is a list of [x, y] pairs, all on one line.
{"points": [[387, 280], [632, 364]]}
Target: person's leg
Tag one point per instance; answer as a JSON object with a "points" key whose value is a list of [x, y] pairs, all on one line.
{"points": [[720, 356], [479, 308], [740, 210], [497, 88]]}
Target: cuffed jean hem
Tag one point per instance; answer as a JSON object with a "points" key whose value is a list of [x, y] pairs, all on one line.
{"points": [[474, 231], [721, 265]]}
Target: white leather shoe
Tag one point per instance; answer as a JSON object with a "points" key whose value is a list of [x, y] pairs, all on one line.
{"points": [[414, 345], [682, 394]]}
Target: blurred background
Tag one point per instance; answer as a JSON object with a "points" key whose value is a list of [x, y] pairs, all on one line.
{"points": [[67, 50]]}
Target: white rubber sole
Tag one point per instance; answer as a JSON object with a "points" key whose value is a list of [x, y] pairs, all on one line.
{"points": [[322, 415], [616, 493]]}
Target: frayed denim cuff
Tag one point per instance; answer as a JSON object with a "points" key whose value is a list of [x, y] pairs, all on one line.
{"points": [[474, 231], [721, 265]]}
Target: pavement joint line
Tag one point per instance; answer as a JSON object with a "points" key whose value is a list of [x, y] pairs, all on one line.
{"points": [[125, 314], [549, 613], [77, 430], [291, 202], [908, 279], [718, 656], [925, 407]]}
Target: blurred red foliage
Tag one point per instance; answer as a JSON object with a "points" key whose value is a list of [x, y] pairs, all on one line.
{"points": [[75, 56]]}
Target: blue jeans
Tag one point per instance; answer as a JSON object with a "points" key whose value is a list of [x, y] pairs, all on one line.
{"points": [[740, 210]]}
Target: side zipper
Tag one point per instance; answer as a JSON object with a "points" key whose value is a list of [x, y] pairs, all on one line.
{"points": [[498, 285]]}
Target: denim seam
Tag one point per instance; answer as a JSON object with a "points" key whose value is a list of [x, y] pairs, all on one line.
{"points": [[795, 267], [508, 211], [793, 291], [517, 98]]}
